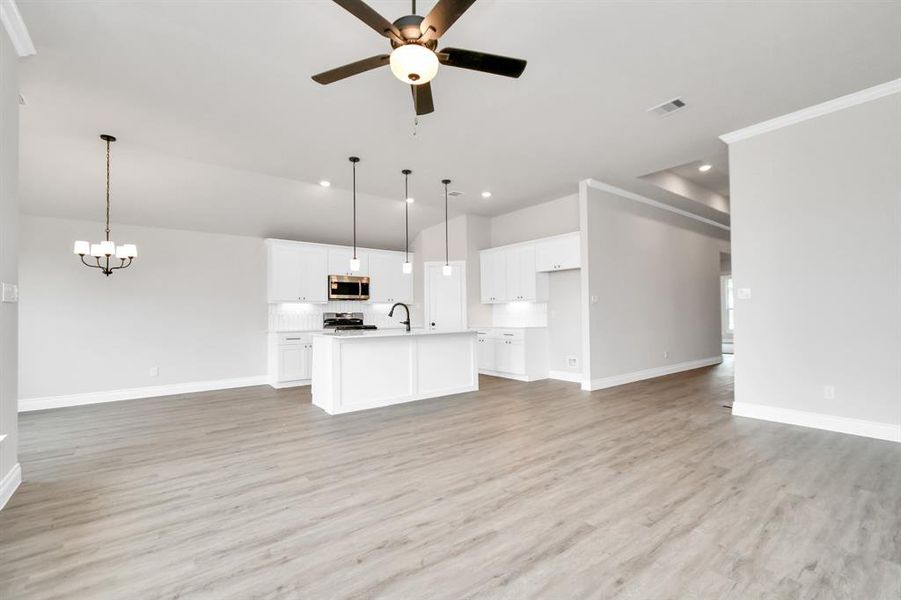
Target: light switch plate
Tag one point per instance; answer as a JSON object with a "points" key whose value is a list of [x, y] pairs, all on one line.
{"points": [[10, 293], [744, 293]]}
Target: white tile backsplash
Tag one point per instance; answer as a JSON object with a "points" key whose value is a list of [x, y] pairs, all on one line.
{"points": [[519, 314], [308, 317]]}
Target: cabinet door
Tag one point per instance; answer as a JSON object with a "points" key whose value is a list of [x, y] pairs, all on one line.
{"points": [[285, 273], [493, 276], [559, 253], [513, 274], [388, 282], [510, 357], [520, 273], [486, 353], [293, 362], [313, 285], [339, 261]]}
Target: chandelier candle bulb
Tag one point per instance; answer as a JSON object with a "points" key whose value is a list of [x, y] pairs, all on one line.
{"points": [[82, 248]]}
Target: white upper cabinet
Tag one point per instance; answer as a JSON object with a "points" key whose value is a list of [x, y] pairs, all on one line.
{"points": [[388, 282], [297, 273], [339, 261], [493, 276], [520, 274], [558, 253]]}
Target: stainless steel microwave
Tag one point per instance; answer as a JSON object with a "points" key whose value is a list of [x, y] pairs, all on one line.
{"points": [[348, 287]]}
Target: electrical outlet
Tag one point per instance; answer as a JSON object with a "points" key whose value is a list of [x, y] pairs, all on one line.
{"points": [[829, 392], [744, 293], [10, 293], [572, 362], [594, 299], [154, 371], [666, 354]]}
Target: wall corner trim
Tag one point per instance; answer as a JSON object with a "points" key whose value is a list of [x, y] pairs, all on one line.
{"points": [[606, 187], [871, 429], [817, 110], [624, 378], [9, 484], [151, 391], [16, 29]]}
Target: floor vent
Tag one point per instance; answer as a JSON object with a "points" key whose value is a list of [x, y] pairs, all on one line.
{"points": [[668, 108]]}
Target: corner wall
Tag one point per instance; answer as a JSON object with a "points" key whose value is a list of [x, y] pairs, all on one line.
{"points": [[10, 472], [816, 229], [650, 296]]}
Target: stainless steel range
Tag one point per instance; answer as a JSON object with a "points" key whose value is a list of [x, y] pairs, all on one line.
{"points": [[351, 321]]}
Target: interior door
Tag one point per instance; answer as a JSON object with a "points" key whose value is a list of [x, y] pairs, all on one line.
{"points": [[445, 298]]}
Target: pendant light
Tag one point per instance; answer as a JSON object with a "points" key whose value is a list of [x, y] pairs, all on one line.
{"points": [[446, 269], [408, 266], [102, 252], [355, 262]]}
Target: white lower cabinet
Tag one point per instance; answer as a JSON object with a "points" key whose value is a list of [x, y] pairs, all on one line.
{"points": [[514, 352], [290, 359]]}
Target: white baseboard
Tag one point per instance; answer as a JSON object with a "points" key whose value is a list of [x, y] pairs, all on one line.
{"points": [[280, 385], [9, 484], [870, 429], [151, 391], [505, 375], [615, 380], [565, 376]]}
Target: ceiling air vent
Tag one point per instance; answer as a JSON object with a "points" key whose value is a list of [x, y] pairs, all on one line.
{"points": [[455, 193], [668, 108]]}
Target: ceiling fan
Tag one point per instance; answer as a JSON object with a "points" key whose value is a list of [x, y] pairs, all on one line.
{"points": [[413, 57]]}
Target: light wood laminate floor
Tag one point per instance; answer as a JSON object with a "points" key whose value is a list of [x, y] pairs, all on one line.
{"points": [[521, 490]]}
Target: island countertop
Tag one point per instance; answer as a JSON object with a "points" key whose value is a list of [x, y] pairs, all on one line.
{"points": [[381, 333]]}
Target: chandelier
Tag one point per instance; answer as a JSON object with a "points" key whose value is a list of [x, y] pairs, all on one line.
{"points": [[105, 250]]}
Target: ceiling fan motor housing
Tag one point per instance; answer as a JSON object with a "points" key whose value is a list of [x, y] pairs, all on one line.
{"points": [[409, 27]]}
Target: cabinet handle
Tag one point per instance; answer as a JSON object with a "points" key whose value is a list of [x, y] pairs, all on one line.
{"points": [[292, 339]]}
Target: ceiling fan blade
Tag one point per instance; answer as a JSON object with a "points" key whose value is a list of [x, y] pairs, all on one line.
{"points": [[422, 99], [365, 13], [441, 17], [480, 61], [354, 68]]}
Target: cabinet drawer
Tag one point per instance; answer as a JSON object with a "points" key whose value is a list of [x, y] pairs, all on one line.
{"points": [[293, 339], [516, 335]]}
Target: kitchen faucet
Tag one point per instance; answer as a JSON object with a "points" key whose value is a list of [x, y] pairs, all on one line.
{"points": [[406, 308]]}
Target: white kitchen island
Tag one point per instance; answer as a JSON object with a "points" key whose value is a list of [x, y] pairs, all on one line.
{"points": [[360, 370]]}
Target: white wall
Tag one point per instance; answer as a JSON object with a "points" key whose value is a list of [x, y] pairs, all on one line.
{"points": [[655, 275], [560, 215], [9, 216], [816, 229], [466, 236], [564, 320], [192, 304]]}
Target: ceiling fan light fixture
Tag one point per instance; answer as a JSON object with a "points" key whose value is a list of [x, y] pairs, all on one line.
{"points": [[414, 64]]}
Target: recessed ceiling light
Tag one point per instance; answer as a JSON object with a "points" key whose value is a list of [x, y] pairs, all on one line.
{"points": [[486, 194], [411, 200], [325, 183], [704, 168]]}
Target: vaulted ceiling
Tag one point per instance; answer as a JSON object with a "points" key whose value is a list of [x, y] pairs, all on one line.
{"points": [[222, 128]]}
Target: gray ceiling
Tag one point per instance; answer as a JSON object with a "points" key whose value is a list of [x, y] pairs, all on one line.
{"points": [[222, 129]]}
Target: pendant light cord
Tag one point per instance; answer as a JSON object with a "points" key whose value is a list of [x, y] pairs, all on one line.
{"points": [[107, 189], [446, 252], [407, 202], [355, 208]]}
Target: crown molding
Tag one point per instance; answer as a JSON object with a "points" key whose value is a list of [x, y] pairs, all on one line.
{"points": [[15, 28], [600, 185], [817, 110]]}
